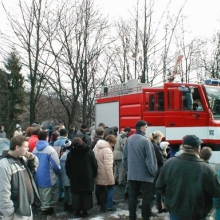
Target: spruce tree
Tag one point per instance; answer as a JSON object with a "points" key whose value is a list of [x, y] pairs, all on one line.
{"points": [[15, 88]]}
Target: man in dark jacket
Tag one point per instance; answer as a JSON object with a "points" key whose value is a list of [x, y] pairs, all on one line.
{"points": [[188, 183]]}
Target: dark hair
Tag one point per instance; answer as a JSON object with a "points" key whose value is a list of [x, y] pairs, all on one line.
{"points": [[63, 132], [127, 129], [99, 131], [55, 135], [17, 140], [42, 135], [111, 138], [36, 130], [77, 141]]}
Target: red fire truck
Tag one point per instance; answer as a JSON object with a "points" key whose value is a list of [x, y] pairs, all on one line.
{"points": [[176, 109]]}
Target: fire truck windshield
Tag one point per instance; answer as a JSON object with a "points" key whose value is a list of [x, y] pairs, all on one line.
{"points": [[213, 93]]}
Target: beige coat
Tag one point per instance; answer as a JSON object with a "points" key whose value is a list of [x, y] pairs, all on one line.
{"points": [[104, 156]]}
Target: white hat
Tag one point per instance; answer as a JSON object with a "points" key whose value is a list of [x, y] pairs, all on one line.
{"points": [[17, 126], [164, 145], [67, 143]]}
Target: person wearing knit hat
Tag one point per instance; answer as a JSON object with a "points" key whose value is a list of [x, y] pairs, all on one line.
{"points": [[18, 130], [140, 123], [187, 183], [140, 163]]}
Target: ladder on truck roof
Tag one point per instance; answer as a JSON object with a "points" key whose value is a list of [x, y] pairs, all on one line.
{"points": [[131, 86]]}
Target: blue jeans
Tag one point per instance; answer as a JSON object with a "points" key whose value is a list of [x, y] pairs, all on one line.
{"points": [[110, 194]]}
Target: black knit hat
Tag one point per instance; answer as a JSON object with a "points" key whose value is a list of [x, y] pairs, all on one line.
{"points": [[140, 123]]}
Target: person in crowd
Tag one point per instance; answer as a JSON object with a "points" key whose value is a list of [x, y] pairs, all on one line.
{"points": [[164, 146], [46, 174], [68, 204], [18, 189], [92, 131], [35, 124], [61, 141], [187, 183], [50, 130], [99, 134], [57, 128], [29, 132], [205, 153], [82, 133], [2, 132], [61, 124], [119, 171], [156, 138], [105, 178], [140, 163], [54, 137], [18, 130], [112, 130], [4, 145], [34, 138], [81, 168], [101, 124], [72, 132], [58, 147]]}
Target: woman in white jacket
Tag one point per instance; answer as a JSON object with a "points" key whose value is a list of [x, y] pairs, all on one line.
{"points": [[104, 180]]}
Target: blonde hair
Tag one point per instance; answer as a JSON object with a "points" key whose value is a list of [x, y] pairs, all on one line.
{"points": [[155, 135]]}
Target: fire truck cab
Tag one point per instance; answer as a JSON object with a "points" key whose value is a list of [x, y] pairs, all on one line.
{"points": [[176, 109]]}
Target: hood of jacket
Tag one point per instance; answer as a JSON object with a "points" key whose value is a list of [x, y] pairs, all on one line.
{"points": [[79, 150], [102, 144], [41, 144]]}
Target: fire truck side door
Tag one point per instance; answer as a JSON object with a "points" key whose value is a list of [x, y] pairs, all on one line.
{"points": [[153, 109], [182, 116]]}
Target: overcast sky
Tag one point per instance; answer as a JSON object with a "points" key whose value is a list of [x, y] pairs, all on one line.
{"points": [[202, 15]]}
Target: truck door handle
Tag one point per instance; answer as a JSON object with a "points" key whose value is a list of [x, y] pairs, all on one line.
{"points": [[172, 124]]}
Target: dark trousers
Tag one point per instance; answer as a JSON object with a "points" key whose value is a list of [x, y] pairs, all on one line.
{"points": [[147, 192], [101, 195]]}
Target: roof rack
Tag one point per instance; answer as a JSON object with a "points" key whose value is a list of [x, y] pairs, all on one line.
{"points": [[130, 86]]}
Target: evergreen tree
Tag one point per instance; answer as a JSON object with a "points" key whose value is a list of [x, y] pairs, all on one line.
{"points": [[15, 91]]}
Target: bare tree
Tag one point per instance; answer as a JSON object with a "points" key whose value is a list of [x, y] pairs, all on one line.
{"points": [[76, 38], [31, 43], [210, 61]]}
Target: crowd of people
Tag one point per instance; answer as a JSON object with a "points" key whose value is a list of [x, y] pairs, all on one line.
{"points": [[42, 167]]}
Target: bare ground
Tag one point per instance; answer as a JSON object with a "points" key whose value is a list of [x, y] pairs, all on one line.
{"points": [[122, 204]]}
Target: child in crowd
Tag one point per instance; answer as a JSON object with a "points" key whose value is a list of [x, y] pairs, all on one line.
{"points": [[65, 180]]}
